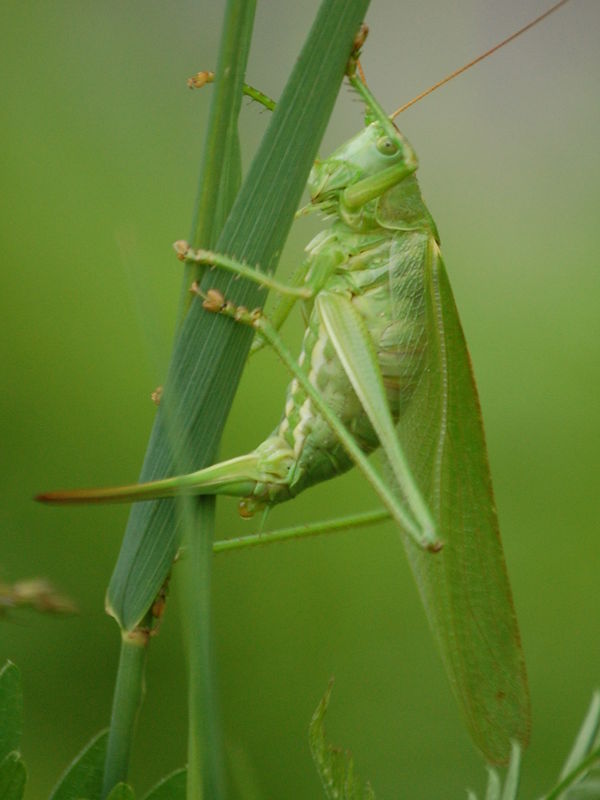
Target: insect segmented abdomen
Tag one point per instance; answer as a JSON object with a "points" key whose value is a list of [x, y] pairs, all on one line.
{"points": [[384, 281]]}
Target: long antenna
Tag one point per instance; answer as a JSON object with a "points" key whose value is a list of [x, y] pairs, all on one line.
{"points": [[479, 58]]}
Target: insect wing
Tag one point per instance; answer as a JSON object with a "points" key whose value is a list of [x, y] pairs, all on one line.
{"points": [[464, 588]]}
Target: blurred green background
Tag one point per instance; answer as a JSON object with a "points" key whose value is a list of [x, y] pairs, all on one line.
{"points": [[100, 147]]}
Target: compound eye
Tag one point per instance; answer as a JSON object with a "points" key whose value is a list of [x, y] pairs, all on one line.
{"points": [[387, 146]]}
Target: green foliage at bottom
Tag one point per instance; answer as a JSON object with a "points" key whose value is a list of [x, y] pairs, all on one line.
{"points": [[579, 778], [13, 777], [335, 767], [82, 779], [121, 792], [83, 776], [170, 788]]}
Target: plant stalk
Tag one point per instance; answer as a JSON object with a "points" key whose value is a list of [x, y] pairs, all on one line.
{"points": [[127, 700], [220, 179], [205, 774]]}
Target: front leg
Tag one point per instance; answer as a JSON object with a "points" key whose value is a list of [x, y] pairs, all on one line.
{"points": [[255, 274]]}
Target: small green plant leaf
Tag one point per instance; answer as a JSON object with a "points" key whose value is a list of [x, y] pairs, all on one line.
{"points": [[11, 709], [580, 781], [13, 777], [493, 786], [170, 788], [588, 789], [511, 782], [580, 776], [584, 741], [335, 766], [122, 791], [83, 777], [494, 790]]}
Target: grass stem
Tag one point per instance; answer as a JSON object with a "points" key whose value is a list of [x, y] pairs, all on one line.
{"points": [[127, 699]]}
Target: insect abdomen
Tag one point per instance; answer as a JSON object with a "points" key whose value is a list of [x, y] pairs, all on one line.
{"points": [[385, 283]]}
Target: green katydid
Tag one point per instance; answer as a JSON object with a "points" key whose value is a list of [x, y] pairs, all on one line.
{"points": [[384, 362]]}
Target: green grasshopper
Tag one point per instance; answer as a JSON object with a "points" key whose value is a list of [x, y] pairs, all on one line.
{"points": [[384, 363]]}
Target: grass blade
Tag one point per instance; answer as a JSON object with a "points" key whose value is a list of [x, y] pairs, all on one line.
{"points": [[210, 351], [584, 740]]}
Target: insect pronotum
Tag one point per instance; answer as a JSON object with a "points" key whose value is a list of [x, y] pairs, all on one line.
{"points": [[384, 362]]}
